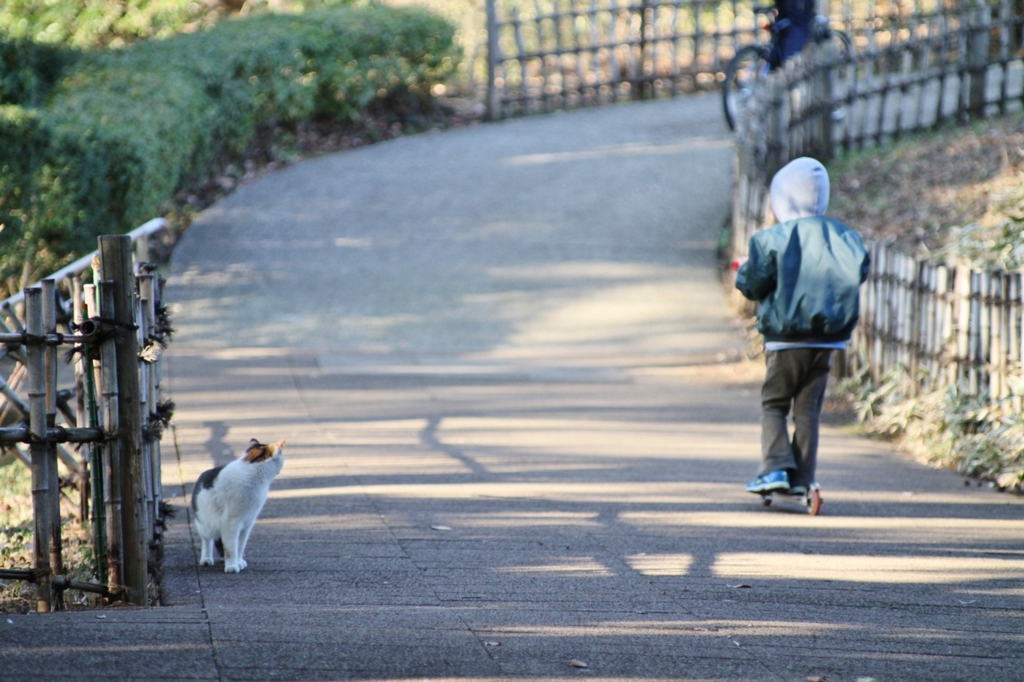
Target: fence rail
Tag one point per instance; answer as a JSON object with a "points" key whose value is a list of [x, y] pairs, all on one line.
{"points": [[113, 330], [942, 322]]}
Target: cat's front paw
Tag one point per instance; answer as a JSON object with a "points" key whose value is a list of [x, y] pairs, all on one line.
{"points": [[232, 568], [206, 561], [242, 563]]}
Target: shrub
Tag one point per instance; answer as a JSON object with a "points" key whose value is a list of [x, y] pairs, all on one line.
{"points": [[86, 24], [950, 426], [29, 70], [124, 129]]}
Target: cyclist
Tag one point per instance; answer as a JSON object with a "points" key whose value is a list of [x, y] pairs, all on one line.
{"points": [[793, 22]]}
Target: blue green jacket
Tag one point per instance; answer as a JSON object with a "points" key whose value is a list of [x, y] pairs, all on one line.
{"points": [[806, 275]]}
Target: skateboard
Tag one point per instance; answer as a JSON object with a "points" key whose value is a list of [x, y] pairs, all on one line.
{"points": [[811, 499]]}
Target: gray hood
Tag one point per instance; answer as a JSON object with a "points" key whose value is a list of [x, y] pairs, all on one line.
{"points": [[800, 190]]}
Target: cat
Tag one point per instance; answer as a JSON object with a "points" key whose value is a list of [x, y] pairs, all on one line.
{"points": [[226, 501]]}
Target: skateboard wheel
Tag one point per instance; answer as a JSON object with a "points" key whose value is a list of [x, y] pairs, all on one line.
{"points": [[814, 502]]}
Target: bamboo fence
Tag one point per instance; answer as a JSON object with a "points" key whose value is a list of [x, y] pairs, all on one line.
{"points": [[944, 323], [113, 329], [551, 54]]}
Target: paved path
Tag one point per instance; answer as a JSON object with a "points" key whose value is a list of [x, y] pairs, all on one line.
{"points": [[519, 422]]}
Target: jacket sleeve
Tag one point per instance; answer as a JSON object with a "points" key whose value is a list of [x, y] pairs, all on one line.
{"points": [[756, 278], [865, 267]]}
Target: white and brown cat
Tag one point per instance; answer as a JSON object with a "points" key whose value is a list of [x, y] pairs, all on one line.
{"points": [[226, 501]]}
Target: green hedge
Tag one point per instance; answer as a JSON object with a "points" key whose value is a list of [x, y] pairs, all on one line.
{"points": [[123, 130], [87, 24], [29, 70]]}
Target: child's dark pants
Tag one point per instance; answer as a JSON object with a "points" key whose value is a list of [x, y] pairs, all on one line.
{"points": [[796, 377]]}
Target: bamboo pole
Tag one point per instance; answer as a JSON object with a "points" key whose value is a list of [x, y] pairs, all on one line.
{"points": [[962, 297], [493, 111], [1016, 346], [145, 317], [111, 456], [149, 286], [997, 354], [116, 266], [155, 396], [983, 328], [85, 451], [54, 434], [96, 469], [945, 355], [49, 293], [41, 506], [979, 20], [974, 354]]}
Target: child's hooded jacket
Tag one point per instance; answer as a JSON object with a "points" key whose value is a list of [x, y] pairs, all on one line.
{"points": [[807, 270]]}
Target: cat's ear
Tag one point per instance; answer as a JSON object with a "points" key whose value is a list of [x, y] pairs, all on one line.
{"points": [[257, 452], [276, 447], [251, 448]]}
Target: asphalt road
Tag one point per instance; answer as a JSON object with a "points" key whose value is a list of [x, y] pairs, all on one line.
{"points": [[519, 421]]}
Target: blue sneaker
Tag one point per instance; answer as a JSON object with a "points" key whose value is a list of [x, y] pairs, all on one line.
{"points": [[773, 480]]}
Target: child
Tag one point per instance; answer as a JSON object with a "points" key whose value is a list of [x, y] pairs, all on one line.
{"points": [[805, 273]]}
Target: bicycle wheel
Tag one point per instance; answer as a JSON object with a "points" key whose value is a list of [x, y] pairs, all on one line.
{"points": [[842, 42], [822, 33], [742, 73]]}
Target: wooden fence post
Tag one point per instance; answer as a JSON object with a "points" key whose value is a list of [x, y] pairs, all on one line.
{"points": [[49, 291], [116, 266]]}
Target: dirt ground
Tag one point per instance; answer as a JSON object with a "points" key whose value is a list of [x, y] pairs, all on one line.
{"points": [[915, 190]]}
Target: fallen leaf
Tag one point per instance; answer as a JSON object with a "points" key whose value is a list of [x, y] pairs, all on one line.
{"points": [[866, 679], [967, 602], [741, 586], [492, 643], [440, 527], [578, 664]]}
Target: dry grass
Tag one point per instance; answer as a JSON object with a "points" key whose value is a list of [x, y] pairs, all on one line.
{"points": [[917, 190], [16, 542]]}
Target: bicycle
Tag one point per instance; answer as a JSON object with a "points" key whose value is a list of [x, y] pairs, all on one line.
{"points": [[752, 63]]}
